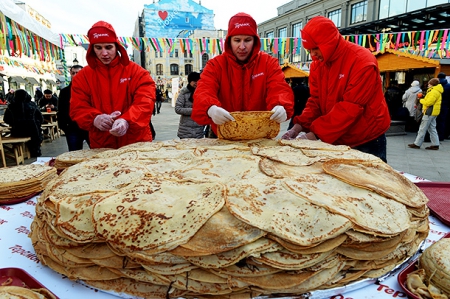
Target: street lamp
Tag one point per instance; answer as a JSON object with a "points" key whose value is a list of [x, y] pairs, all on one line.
{"points": [[75, 61]]}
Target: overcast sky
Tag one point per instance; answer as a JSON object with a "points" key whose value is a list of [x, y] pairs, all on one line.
{"points": [[77, 16]]}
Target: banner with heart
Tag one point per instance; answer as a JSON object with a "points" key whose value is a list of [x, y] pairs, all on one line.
{"points": [[163, 14]]}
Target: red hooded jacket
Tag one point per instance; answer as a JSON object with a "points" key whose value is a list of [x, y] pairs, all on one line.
{"points": [[121, 86], [347, 104], [257, 85]]}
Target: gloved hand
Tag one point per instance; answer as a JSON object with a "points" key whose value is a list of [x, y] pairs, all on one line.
{"points": [[219, 115], [308, 136], [103, 122], [116, 114], [279, 114], [292, 133], [119, 128]]}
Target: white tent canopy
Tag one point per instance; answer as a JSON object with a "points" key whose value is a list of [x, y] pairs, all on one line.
{"points": [[14, 12]]}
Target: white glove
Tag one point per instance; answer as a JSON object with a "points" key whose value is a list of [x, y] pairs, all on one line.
{"points": [[292, 133], [119, 128], [219, 115], [279, 114], [116, 114], [103, 122], [307, 136]]}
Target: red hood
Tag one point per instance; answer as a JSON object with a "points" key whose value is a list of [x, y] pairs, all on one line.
{"points": [[250, 29], [320, 32], [91, 58]]}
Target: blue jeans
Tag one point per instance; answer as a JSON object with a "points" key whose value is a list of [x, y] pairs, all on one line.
{"points": [[75, 140], [376, 147]]}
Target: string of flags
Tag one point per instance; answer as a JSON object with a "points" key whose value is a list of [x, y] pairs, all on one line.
{"points": [[18, 41]]}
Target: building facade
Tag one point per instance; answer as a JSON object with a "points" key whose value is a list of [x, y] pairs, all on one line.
{"points": [[356, 17], [171, 19], [28, 55]]}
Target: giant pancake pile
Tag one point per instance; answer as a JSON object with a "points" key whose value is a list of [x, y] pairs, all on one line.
{"points": [[204, 218]]}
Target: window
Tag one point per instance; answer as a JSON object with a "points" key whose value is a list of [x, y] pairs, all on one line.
{"points": [[188, 54], [176, 52], [205, 59], [174, 69], [415, 5], [296, 29], [282, 33], [159, 69], [188, 69], [296, 32], [335, 16], [269, 36], [390, 8], [359, 12]]}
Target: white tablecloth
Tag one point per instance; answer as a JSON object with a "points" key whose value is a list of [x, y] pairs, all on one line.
{"points": [[16, 251]]}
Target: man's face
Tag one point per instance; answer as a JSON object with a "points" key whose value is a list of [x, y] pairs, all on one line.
{"points": [[106, 52], [74, 71], [242, 46], [316, 54], [48, 96]]}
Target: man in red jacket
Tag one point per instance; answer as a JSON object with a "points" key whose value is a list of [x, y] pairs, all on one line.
{"points": [[112, 97], [242, 78], [346, 105]]}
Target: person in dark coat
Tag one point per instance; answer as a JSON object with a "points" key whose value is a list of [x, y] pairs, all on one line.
{"points": [[441, 120], [38, 94], [48, 101], [159, 100], [187, 127], [9, 97], [301, 95], [25, 120], [74, 135], [393, 96]]}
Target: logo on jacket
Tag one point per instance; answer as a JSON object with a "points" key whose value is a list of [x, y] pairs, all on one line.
{"points": [[97, 35], [124, 79], [239, 25], [341, 76], [257, 75]]}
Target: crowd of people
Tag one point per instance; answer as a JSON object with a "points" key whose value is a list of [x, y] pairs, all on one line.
{"points": [[109, 103]]}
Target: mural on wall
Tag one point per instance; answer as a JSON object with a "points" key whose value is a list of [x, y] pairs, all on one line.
{"points": [[169, 18]]}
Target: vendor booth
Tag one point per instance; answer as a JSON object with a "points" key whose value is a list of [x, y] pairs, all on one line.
{"points": [[291, 71], [405, 67]]}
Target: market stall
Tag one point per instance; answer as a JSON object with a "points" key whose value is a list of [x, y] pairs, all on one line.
{"points": [[291, 71], [405, 67]]}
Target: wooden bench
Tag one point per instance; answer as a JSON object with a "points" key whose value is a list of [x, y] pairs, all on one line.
{"points": [[52, 131], [16, 149], [397, 128]]}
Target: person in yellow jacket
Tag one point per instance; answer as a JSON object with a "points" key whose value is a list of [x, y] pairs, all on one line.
{"points": [[433, 101]]}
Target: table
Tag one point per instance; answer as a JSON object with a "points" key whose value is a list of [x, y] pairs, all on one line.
{"points": [[16, 251], [51, 123]]}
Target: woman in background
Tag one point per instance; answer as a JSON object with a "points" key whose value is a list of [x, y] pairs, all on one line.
{"points": [[25, 120], [187, 127]]}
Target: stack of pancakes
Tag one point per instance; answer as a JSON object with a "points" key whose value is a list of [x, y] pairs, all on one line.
{"points": [[432, 278], [249, 125], [16, 292], [68, 159], [207, 217], [24, 181]]}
